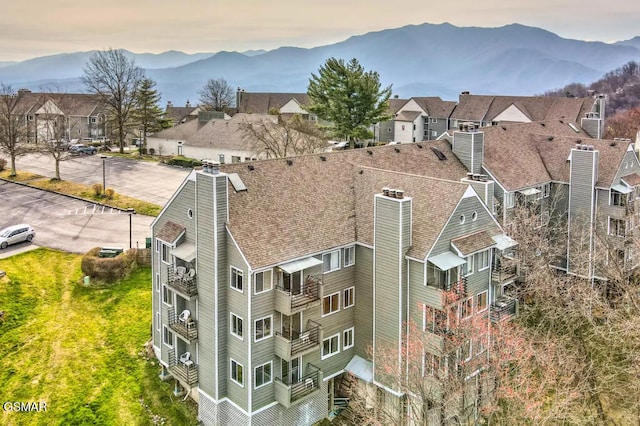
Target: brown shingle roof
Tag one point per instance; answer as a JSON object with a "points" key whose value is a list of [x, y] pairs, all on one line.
{"points": [[407, 115], [170, 232], [436, 107], [472, 243], [632, 179], [262, 103], [313, 204], [225, 134]]}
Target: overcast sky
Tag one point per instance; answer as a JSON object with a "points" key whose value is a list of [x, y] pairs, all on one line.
{"points": [[43, 27]]}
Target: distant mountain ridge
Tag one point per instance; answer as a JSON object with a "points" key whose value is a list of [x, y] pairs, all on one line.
{"points": [[419, 60]]}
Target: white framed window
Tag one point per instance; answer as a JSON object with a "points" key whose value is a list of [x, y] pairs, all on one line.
{"points": [[483, 260], [434, 120], [167, 336], [617, 227], [330, 304], [236, 326], [262, 328], [468, 267], [236, 279], [474, 216], [466, 350], [158, 321], [262, 282], [509, 199], [431, 364], [158, 245], [348, 297], [166, 253], [157, 282], [546, 190], [262, 375], [167, 296], [237, 372], [481, 301], [221, 158], [466, 308], [433, 320], [349, 256], [434, 133], [330, 346], [347, 338], [331, 261]]}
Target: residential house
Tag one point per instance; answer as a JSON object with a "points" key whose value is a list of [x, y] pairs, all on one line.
{"points": [[415, 120], [286, 104], [62, 116], [180, 115], [272, 279], [588, 185], [488, 110]]}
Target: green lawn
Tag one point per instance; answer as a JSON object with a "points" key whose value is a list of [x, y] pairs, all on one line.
{"points": [[79, 349]]}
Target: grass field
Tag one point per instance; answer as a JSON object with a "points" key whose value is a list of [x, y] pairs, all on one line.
{"points": [[79, 349]]}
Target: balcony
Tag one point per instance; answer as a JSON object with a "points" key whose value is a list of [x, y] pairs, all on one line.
{"points": [[505, 270], [295, 344], [182, 280], [503, 309], [289, 394], [183, 324], [288, 301], [184, 371]]}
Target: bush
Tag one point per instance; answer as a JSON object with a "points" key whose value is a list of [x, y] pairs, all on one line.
{"points": [[3, 164], [184, 162], [109, 192], [106, 269], [152, 151], [97, 189]]}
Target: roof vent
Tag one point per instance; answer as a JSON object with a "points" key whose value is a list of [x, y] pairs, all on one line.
{"points": [[504, 128], [250, 167], [590, 148], [399, 194], [369, 152], [419, 146], [397, 149], [385, 191], [543, 125], [550, 138], [561, 122], [612, 143], [290, 162], [392, 193], [323, 158], [438, 154]]}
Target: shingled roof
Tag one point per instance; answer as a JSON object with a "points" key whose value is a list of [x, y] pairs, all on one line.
{"points": [[263, 103], [304, 205], [436, 107]]}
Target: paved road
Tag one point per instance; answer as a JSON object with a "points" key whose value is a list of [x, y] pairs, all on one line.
{"points": [[148, 181], [65, 223]]}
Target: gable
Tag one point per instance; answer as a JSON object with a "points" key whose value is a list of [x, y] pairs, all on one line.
{"points": [[411, 105], [628, 166], [292, 107], [512, 114], [49, 107]]}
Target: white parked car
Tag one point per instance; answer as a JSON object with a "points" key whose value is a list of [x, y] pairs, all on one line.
{"points": [[16, 234]]}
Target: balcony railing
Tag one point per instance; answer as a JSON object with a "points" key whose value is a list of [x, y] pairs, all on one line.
{"points": [[508, 269], [293, 343], [183, 281], [288, 302], [288, 393], [503, 309], [186, 372], [183, 324]]}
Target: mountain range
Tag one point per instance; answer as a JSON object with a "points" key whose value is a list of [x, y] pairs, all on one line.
{"points": [[418, 60]]}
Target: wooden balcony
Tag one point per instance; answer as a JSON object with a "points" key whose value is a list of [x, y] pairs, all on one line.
{"points": [[503, 309], [288, 301], [185, 282], [184, 372], [295, 344], [289, 394], [506, 270], [185, 327]]}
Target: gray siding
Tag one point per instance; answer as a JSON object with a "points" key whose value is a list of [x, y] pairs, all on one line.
{"points": [[364, 301], [469, 148], [262, 351], [629, 166]]}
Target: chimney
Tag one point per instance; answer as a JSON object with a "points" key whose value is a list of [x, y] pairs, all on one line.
{"points": [[468, 146], [169, 104], [188, 105]]}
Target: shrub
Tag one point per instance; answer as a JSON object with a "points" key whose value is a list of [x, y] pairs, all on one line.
{"points": [[184, 162], [152, 151], [3, 164], [97, 188], [108, 269], [110, 192]]}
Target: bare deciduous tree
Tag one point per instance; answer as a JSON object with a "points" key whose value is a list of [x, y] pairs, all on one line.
{"points": [[13, 125], [110, 74], [283, 137], [216, 94]]}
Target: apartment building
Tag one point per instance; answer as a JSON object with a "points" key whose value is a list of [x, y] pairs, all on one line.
{"points": [[274, 279]]}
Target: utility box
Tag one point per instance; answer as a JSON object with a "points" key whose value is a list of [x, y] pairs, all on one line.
{"points": [[109, 252], [147, 243]]}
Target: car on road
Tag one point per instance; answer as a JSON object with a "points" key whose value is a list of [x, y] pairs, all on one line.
{"points": [[79, 148], [16, 234]]}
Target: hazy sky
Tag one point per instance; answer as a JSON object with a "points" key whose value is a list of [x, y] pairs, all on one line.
{"points": [[43, 27]]}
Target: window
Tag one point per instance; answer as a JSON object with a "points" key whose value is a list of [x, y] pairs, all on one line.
{"points": [[93, 119], [388, 129], [466, 308], [483, 260], [158, 245], [30, 117], [465, 350], [262, 282], [167, 336], [432, 364], [262, 375], [330, 346], [263, 328], [481, 302], [617, 199], [468, 267], [331, 261], [237, 372], [509, 199], [434, 133], [616, 227], [349, 256], [331, 304], [236, 326], [236, 279], [434, 320], [158, 321], [546, 190], [434, 120], [347, 339], [221, 158], [462, 219], [157, 282], [166, 256], [348, 297], [167, 295], [235, 159], [474, 216], [190, 213]]}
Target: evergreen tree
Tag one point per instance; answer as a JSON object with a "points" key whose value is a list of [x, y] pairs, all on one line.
{"points": [[148, 116], [349, 97]]}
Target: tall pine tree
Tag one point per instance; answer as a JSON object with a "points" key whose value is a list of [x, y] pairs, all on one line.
{"points": [[148, 116], [349, 97]]}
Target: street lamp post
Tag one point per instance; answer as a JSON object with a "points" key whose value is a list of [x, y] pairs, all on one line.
{"points": [[131, 212], [104, 174]]}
